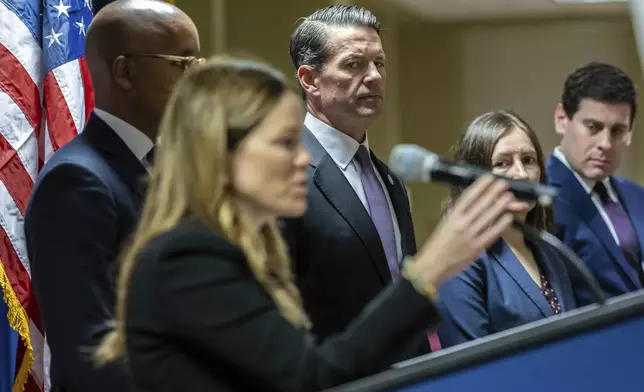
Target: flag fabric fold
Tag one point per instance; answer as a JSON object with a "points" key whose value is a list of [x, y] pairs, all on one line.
{"points": [[45, 99]]}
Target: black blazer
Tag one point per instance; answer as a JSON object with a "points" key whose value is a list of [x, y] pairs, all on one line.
{"points": [[84, 204], [339, 260], [197, 320]]}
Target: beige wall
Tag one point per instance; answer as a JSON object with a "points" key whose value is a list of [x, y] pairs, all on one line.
{"points": [[453, 72], [442, 75]]}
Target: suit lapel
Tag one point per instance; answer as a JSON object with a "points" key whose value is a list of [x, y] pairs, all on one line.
{"points": [[399, 201], [328, 177], [117, 154], [575, 195], [504, 255]]}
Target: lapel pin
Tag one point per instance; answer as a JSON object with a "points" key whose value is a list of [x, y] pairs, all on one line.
{"points": [[391, 180]]}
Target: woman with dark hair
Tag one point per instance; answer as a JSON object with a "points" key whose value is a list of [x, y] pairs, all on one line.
{"points": [[513, 282]]}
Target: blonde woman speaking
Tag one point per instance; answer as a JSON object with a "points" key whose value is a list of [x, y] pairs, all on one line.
{"points": [[206, 298]]}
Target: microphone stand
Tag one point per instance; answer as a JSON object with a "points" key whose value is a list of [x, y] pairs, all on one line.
{"points": [[543, 237]]}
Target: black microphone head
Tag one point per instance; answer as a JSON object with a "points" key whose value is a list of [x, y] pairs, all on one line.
{"points": [[411, 162]]}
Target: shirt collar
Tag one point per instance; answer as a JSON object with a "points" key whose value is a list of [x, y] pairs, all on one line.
{"points": [[341, 147], [138, 142], [586, 183]]}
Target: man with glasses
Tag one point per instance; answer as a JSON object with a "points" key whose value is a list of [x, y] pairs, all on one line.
{"points": [[599, 215], [87, 198]]}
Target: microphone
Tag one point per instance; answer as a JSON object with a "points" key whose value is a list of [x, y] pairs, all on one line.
{"points": [[413, 163]]}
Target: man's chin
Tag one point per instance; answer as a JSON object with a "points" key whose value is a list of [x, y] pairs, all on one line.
{"points": [[597, 174], [372, 109]]}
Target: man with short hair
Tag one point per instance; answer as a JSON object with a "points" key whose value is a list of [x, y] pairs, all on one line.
{"points": [[599, 215], [358, 226], [87, 199]]}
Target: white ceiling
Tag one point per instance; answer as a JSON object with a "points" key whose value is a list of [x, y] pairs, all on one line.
{"points": [[499, 9]]}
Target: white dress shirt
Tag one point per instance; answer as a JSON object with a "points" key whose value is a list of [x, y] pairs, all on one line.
{"points": [[342, 149], [588, 186], [138, 142]]}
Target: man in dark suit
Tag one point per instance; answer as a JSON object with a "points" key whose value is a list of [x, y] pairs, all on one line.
{"points": [[86, 200], [599, 215], [358, 226]]}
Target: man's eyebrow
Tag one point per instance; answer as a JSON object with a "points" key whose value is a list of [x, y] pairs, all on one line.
{"points": [[360, 55], [594, 120]]}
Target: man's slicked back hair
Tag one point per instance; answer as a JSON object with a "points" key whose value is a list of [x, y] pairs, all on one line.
{"points": [[309, 42]]}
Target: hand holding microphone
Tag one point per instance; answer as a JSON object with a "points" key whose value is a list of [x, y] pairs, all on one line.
{"points": [[477, 219]]}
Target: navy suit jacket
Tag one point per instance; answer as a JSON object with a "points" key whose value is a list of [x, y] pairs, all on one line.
{"points": [[84, 205], [496, 293], [339, 261], [582, 228]]}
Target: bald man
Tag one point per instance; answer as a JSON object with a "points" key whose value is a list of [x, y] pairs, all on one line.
{"points": [[87, 199]]}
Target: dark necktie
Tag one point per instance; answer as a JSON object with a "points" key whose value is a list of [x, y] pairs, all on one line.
{"points": [[381, 217], [623, 228], [379, 210]]}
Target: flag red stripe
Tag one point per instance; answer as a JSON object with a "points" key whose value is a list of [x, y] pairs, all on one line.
{"points": [[59, 118], [19, 278], [89, 91], [31, 385], [14, 176], [17, 83]]}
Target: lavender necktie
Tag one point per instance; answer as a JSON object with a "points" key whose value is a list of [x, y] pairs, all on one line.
{"points": [[381, 217], [379, 210], [627, 238]]}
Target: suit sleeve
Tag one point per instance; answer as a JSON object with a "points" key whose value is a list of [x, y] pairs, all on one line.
{"points": [[71, 230], [463, 307], [250, 334]]}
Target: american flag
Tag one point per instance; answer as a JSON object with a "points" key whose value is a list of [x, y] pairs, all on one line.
{"points": [[45, 98]]}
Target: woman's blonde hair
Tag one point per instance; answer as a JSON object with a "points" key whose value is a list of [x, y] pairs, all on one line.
{"points": [[211, 110]]}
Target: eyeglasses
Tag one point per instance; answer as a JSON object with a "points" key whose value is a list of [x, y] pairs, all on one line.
{"points": [[184, 61]]}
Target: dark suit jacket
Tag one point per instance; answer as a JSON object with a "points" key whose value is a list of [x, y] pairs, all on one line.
{"points": [[496, 293], [339, 260], [197, 320], [582, 228], [84, 205]]}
